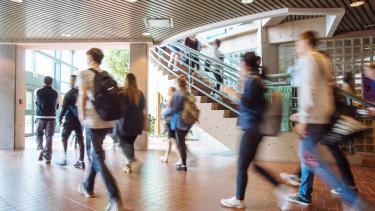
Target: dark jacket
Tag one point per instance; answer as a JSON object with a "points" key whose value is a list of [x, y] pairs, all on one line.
{"points": [[46, 103], [69, 108], [252, 104], [132, 121], [193, 44]]}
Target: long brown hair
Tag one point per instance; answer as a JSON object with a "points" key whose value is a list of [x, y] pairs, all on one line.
{"points": [[182, 83], [131, 89]]}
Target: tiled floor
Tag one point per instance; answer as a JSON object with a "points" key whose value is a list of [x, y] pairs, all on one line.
{"points": [[26, 184]]}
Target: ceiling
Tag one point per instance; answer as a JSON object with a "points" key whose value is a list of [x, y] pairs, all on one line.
{"points": [[119, 20]]}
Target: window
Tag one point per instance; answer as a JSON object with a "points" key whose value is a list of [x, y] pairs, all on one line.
{"points": [[44, 65], [66, 72]]}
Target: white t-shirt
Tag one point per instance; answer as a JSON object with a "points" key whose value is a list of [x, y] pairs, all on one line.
{"points": [[91, 117]]}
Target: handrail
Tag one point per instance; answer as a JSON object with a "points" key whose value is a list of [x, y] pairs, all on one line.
{"points": [[194, 86], [210, 68], [357, 99], [179, 45]]}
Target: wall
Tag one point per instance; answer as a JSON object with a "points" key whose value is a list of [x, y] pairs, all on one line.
{"points": [[20, 99], [139, 66], [7, 95], [239, 43]]}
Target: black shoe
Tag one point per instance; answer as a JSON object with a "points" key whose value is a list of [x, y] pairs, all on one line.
{"points": [[181, 168], [295, 198], [80, 165], [40, 157], [48, 162]]}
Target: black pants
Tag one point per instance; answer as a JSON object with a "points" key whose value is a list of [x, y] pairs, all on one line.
{"points": [[248, 148], [217, 75], [127, 146], [342, 164], [180, 140], [69, 126]]}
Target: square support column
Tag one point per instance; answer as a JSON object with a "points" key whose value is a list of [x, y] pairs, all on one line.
{"points": [[267, 51], [139, 67], [7, 95]]}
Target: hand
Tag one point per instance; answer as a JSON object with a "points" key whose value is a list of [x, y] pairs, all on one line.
{"points": [[301, 129], [294, 117]]}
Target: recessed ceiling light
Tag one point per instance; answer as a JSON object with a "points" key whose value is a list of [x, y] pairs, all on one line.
{"points": [[131, 1], [18, 1], [356, 3], [146, 33], [66, 35], [247, 1], [158, 22]]}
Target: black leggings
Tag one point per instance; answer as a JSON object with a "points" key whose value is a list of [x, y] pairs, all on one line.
{"points": [[127, 146], [248, 148], [180, 140]]}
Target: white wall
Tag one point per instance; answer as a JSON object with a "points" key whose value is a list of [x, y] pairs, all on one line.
{"points": [[20, 99], [7, 95], [239, 43]]}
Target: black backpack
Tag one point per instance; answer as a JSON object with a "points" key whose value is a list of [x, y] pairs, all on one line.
{"points": [[107, 96]]}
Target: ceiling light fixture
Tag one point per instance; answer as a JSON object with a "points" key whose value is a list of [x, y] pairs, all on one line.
{"points": [[158, 22], [247, 1], [17, 1], [66, 35], [132, 1], [357, 3], [146, 33]]}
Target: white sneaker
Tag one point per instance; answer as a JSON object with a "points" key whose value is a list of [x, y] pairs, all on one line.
{"points": [[233, 203], [127, 169], [291, 179], [281, 192], [179, 163], [164, 159]]}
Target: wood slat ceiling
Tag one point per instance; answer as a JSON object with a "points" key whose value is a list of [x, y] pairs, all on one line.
{"points": [[42, 20], [300, 17]]}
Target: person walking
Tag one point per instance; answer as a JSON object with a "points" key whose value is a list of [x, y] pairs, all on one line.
{"points": [[215, 54], [132, 120], [193, 43], [252, 107], [47, 102], [69, 111], [96, 130], [177, 124], [171, 133], [316, 106]]}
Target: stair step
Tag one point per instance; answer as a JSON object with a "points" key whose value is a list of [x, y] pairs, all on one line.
{"points": [[218, 106], [229, 114]]}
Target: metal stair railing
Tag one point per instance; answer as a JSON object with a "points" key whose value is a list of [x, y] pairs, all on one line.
{"points": [[192, 78]]}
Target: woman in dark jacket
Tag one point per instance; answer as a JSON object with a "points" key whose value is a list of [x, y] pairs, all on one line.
{"points": [[131, 123], [252, 107]]}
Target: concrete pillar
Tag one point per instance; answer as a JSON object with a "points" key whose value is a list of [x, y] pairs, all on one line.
{"points": [[267, 51], [20, 104], [139, 67], [7, 95]]}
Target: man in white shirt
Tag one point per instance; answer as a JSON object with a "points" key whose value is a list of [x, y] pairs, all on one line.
{"points": [[316, 106]]}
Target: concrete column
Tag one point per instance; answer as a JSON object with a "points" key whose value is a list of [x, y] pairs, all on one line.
{"points": [[139, 67], [20, 103], [267, 51], [7, 95]]}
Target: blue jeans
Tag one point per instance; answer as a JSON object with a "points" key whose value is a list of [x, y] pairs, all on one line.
{"points": [[96, 138], [310, 165]]}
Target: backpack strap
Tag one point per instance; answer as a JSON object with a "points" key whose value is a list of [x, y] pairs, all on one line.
{"points": [[93, 70]]}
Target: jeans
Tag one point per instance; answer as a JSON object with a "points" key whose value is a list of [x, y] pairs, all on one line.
{"points": [[217, 75], [96, 137], [249, 144], [342, 164], [47, 127], [310, 164], [180, 140], [127, 146], [69, 126]]}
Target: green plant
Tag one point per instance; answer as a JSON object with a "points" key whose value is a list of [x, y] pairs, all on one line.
{"points": [[117, 61]]}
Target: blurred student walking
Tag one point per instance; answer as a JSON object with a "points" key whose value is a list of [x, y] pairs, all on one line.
{"points": [[252, 107], [96, 130], [316, 106], [171, 133], [132, 120]]}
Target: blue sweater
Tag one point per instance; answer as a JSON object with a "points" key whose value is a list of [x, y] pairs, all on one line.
{"points": [[252, 103]]}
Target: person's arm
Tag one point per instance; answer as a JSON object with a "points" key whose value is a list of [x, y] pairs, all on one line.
{"points": [[64, 108], [247, 97]]}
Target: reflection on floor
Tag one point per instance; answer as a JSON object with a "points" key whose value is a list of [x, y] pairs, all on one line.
{"points": [[26, 184]]}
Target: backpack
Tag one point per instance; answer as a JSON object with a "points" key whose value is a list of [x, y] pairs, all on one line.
{"points": [[107, 96], [271, 120], [190, 112]]}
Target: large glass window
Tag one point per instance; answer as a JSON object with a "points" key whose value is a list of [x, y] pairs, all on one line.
{"points": [[44, 66]]}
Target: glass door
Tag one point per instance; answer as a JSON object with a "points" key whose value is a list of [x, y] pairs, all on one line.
{"points": [[29, 113]]}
